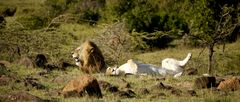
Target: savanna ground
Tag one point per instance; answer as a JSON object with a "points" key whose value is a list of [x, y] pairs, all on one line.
{"points": [[58, 43], [55, 80]]}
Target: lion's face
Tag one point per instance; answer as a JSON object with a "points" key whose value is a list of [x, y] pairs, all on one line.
{"points": [[76, 56], [89, 58]]}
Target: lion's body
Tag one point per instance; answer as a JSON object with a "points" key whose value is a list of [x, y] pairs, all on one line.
{"points": [[89, 58]]}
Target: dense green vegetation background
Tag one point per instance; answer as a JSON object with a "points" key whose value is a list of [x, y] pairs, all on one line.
{"points": [[56, 27]]}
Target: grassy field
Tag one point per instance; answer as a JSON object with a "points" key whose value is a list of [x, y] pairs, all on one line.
{"points": [[58, 44], [57, 79]]}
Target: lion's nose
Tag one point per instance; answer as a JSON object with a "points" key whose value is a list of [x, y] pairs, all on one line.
{"points": [[77, 60]]}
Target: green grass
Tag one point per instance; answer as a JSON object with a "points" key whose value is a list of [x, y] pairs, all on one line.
{"points": [[223, 63], [59, 43], [57, 79], [136, 82]]}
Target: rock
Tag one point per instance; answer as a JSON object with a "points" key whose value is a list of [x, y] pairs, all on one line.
{"points": [[126, 94], [50, 67], [205, 82], [176, 92], [62, 65], [108, 87], [161, 86], [230, 84], [5, 63], [21, 97], [82, 84], [113, 89], [124, 84], [58, 66], [143, 91], [190, 71], [40, 60], [33, 83], [27, 62], [191, 93], [104, 85]]}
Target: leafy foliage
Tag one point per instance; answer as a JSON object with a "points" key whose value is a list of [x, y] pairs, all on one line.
{"points": [[211, 24], [116, 44], [147, 17]]}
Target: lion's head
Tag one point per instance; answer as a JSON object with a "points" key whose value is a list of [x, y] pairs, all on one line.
{"points": [[89, 58]]}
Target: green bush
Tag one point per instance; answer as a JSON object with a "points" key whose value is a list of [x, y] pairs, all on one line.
{"points": [[90, 17], [151, 40], [120, 7], [148, 18], [84, 10], [89, 11], [56, 7]]}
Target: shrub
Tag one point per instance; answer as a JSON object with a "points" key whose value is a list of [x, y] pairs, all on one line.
{"points": [[56, 7], [88, 10], [147, 19], [153, 40], [115, 43], [90, 16]]}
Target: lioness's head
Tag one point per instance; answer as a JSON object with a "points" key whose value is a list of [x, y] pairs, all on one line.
{"points": [[112, 71]]}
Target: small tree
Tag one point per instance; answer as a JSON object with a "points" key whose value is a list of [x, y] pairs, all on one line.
{"points": [[211, 26]]}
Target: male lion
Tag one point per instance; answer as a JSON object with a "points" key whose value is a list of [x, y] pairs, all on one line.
{"points": [[89, 58]]}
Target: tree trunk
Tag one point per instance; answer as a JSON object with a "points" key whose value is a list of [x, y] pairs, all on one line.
{"points": [[210, 57]]}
